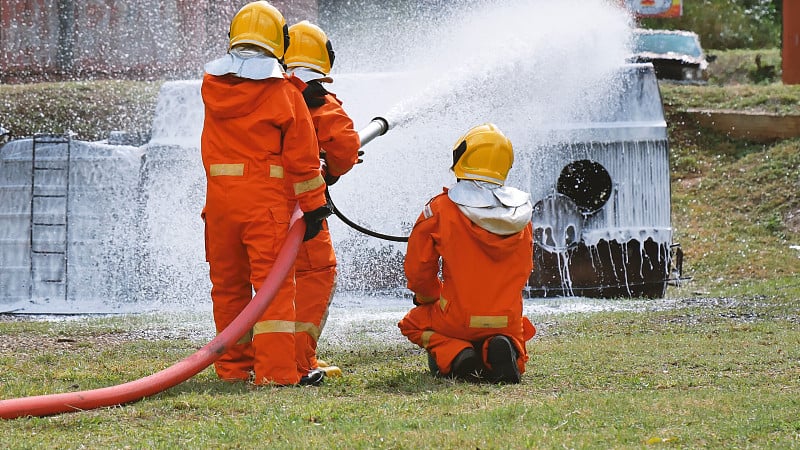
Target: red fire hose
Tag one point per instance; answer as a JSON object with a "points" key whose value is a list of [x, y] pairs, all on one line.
{"points": [[44, 405]]}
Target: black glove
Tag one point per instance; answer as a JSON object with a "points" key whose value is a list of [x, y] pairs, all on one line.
{"points": [[314, 221], [314, 94], [330, 180]]}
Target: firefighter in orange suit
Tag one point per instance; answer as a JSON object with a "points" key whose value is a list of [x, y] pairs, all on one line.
{"points": [[261, 159], [470, 319], [310, 58]]}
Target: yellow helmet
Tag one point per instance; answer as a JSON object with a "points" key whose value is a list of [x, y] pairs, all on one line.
{"points": [[483, 154], [310, 48], [262, 25]]}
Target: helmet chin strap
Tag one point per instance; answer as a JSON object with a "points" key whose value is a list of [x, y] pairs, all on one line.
{"points": [[331, 53], [458, 152], [286, 39]]}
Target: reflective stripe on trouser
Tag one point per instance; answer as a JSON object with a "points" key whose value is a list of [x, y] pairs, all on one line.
{"points": [[240, 257], [272, 341], [428, 326], [315, 276]]}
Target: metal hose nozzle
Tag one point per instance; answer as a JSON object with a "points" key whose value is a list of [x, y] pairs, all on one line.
{"points": [[376, 127]]}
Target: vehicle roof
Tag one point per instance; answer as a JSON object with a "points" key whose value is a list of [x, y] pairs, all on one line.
{"points": [[650, 31]]}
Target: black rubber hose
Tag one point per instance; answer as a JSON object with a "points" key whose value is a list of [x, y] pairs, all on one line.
{"points": [[358, 227]]}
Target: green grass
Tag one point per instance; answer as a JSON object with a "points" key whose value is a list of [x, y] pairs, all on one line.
{"points": [[734, 67], [736, 211], [720, 373], [772, 98]]}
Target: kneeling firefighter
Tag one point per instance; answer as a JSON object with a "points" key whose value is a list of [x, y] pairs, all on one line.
{"points": [[261, 159], [470, 319], [310, 58]]}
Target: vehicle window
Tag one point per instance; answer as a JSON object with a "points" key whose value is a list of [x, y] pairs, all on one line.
{"points": [[666, 43]]}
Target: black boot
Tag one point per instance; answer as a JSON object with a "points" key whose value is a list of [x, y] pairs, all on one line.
{"points": [[502, 356], [467, 365], [314, 377], [433, 366]]}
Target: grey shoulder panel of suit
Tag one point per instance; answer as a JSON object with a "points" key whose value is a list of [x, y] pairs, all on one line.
{"points": [[307, 75], [511, 197], [501, 220], [259, 67], [501, 210], [480, 194]]}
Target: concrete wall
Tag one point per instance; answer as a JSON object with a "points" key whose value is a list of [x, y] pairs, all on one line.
{"points": [[138, 39]]}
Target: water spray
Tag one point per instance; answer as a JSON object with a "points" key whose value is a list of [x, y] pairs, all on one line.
{"points": [[376, 127]]}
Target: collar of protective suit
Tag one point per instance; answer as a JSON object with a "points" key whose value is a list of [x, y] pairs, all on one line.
{"points": [[307, 75], [502, 210], [246, 63]]}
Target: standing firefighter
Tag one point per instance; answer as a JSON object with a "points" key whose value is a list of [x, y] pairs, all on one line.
{"points": [[470, 320], [310, 58], [261, 159]]}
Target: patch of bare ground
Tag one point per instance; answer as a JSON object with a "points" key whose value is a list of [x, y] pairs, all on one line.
{"points": [[793, 221], [689, 183], [27, 342]]}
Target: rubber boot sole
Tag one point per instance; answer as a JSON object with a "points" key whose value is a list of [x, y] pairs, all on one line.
{"points": [[503, 359]]}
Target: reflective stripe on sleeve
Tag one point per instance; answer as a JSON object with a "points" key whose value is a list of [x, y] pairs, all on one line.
{"points": [[426, 338], [308, 185], [424, 299]]}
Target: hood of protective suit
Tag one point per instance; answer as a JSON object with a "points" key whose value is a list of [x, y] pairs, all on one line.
{"points": [[247, 63], [306, 74], [228, 96], [235, 84], [498, 209]]}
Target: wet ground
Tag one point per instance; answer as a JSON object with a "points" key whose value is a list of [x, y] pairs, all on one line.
{"points": [[371, 317]]}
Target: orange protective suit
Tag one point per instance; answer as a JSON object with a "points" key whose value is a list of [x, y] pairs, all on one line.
{"points": [[481, 295], [261, 158], [315, 266]]}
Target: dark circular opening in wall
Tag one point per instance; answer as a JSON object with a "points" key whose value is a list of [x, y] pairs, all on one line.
{"points": [[587, 183]]}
